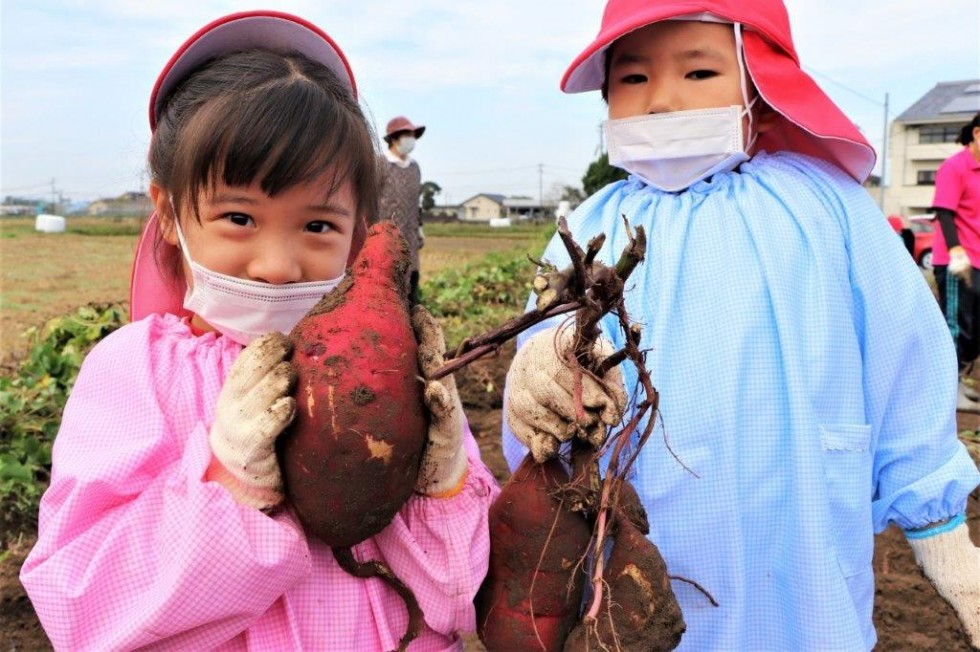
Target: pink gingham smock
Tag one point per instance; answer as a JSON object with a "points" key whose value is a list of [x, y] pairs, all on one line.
{"points": [[136, 549]]}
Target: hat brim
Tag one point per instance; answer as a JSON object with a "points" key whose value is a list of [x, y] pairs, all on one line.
{"points": [[809, 121], [268, 30]]}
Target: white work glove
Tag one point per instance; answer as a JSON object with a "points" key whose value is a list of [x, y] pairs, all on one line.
{"points": [[421, 238], [444, 464], [254, 407], [952, 564], [959, 265], [540, 403]]}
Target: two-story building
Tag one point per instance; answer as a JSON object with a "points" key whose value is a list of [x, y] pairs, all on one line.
{"points": [[921, 138]]}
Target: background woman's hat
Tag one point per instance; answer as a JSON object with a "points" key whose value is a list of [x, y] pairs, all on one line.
{"points": [[809, 122], [269, 30], [149, 290], [401, 123]]}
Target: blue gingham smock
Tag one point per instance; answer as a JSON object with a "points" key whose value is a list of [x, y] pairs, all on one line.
{"points": [[805, 375]]}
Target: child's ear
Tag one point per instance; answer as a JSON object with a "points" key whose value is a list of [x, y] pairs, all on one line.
{"points": [[165, 213], [766, 119]]}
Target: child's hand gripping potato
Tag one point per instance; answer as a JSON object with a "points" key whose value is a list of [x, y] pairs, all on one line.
{"points": [[254, 407], [444, 464], [541, 407]]}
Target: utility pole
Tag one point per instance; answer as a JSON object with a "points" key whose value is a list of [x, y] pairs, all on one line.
{"points": [[541, 187], [884, 160]]}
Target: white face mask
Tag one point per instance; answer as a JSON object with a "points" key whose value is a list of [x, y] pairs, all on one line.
{"points": [[672, 151], [405, 145], [243, 310]]}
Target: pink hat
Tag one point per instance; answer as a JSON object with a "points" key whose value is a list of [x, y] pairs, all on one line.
{"points": [[809, 122], [401, 123], [149, 290]]}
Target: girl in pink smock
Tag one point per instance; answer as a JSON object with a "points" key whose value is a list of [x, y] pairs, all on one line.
{"points": [[164, 525]]}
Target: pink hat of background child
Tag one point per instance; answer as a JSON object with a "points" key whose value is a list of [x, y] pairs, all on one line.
{"points": [[149, 290], [809, 122], [401, 123]]}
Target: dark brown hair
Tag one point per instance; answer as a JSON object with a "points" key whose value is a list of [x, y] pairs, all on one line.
{"points": [[281, 120], [966, 133]]}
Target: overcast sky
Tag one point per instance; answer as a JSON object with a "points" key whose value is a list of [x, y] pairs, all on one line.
{"points": [[75, 77]]}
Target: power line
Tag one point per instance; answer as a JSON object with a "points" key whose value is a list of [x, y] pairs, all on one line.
{"points": [[846, 88]]}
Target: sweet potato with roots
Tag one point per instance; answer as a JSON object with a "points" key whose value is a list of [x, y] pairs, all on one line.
{"points": [[351, 457], [530, 598], [632, 605]]}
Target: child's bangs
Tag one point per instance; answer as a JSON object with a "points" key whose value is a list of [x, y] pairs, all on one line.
{"points": [[280, 136]]}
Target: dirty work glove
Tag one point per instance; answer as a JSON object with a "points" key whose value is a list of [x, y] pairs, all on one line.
{"points": [[254, 407], [540, 403], [444, 465], [952, 563], [959, 265]]}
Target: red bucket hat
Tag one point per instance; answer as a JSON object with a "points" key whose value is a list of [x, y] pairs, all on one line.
{"points": [[149, 290], [401, 123], [809, 122]]}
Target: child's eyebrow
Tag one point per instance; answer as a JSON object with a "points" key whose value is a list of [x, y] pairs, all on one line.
{"points": [[330, 209], [700, 53], [627, 58]]}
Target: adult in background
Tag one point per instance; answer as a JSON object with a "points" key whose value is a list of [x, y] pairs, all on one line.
{"points": [[957, 207], [400, 189]]}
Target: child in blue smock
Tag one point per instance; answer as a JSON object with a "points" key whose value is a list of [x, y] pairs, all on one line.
{"points": [[804, 371]]}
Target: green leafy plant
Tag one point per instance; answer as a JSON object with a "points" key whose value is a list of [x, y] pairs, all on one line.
{"points": [[478, 296], [31, 402]]}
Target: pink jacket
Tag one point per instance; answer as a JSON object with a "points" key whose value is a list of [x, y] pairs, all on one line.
{"points": [[136, 549]]}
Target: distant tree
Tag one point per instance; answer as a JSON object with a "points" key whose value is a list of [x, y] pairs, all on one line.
{"points": [[429, 191], [560, 192], [600, 174], [572, 195]]}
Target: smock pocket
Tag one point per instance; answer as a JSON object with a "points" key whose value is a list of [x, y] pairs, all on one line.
{"points": [[847, 470]]}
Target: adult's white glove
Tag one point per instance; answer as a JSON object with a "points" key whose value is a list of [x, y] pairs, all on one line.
{"points": [[959, 265], [254, 407], [444, 464], [541, 408], [421, 238], [952, 564]]}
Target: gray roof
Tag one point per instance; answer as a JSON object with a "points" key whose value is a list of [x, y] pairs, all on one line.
{"points": [[956, 101]]}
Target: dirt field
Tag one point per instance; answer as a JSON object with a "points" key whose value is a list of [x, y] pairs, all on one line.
{"points": [[909, 615]]}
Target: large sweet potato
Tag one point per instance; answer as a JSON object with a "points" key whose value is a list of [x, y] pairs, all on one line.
{"points": [[351, 457], [530, 598]]}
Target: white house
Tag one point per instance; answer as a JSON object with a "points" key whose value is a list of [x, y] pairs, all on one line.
{"points": [[921, 138], [482, 208], [487, 206]]}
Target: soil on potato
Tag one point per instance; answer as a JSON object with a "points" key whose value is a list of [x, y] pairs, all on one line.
{"points": [[909, 614]]}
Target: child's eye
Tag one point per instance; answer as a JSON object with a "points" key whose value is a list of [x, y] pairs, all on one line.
{"points": [[635, 78], [701, 74], [239, 219], [319, 227]]}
